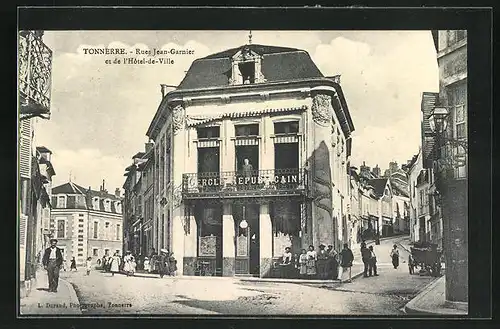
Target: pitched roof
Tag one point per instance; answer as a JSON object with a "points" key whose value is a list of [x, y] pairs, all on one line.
{"points": [[43, 149], [72, 188], [378, 184], [278, 64]]}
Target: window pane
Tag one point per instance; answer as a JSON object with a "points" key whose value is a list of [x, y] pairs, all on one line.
{"points": [[247, 130], [60, 228], [461, 130], [460, 113], [209, 132], [286, 127]]}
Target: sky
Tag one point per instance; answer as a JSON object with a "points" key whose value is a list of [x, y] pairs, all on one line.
{"points": [[101, 112]]}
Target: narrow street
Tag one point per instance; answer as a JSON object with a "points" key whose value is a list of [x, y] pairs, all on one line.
{"points": [[385, 294]]}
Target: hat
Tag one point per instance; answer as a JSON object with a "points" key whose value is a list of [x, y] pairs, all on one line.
{"points": [[164, 250], [53, 240], [321, 246]]}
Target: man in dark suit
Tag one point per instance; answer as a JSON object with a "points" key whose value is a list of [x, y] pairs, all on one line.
{"points": [[52, 261]]}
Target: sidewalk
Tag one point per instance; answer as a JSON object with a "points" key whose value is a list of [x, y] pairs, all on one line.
{"points": [[431, 301], [42, 302]]}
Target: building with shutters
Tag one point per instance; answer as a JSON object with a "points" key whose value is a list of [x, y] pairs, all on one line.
{"points": [[86, 222], [34, 167], [138, 206], [251, 154]]}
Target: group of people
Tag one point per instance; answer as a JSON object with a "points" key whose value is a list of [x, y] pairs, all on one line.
{"points": [[116, 264], [323, 264], [164, 263]]}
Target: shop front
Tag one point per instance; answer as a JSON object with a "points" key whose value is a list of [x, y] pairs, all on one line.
{"points": [[243, 221]]}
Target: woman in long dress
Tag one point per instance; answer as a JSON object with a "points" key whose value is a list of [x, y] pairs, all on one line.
{"points": [[115, 264], [303, 263], [395, 257], [312, 257]]}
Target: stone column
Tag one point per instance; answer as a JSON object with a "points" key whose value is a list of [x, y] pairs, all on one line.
{"points": [[266, 240], [228, 240], [190, 244], [179, 156], [320, 166]]}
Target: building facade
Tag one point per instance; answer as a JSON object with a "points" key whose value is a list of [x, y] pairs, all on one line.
{"points": [[87, 223], [450, 164], [34, 87], [252, 155]]}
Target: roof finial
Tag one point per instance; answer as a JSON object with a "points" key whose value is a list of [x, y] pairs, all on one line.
{"points": [[70, 176], [250, 38]]}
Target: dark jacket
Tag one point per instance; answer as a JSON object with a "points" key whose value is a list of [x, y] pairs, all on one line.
{"points": [[46, 255], [346, 258], [365, 254]]}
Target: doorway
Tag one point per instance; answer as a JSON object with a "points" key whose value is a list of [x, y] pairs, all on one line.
{"points": [[247, 239]]}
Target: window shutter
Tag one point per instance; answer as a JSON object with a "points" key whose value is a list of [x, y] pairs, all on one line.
{"points": [[23, 219], [25, 149]]}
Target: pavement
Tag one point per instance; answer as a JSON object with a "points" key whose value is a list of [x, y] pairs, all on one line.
{"points": [[103, 294], [42, 302]]}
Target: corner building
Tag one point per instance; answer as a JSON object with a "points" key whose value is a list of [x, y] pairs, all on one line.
{"points": [[252, 155]]}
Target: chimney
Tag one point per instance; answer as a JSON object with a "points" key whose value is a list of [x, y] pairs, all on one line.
{"points": [[117, 192]]}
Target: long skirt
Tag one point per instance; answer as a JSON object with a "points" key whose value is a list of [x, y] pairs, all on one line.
{"points": [[322, 265], [311, 267], [395, 261]]}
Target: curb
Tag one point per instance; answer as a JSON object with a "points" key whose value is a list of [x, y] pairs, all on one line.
{"points": [[411, 308], [298, 281], [73, 297]]}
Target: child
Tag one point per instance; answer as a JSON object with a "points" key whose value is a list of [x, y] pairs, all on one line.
{"points": [[147, 268], [88, 264], [303, 263]]}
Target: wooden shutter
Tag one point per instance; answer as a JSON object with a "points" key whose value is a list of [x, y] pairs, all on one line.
{"points": [[25, 149], [23, 219]]}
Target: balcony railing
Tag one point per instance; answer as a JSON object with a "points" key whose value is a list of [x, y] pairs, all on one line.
{"points": [[35, 74], [227, 184]]}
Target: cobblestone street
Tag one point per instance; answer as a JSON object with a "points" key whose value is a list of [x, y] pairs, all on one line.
{"points": [[384, 295]]}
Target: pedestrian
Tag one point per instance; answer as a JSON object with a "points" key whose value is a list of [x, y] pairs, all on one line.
{"points": [[365, 257], [322, 262], [115, 263], [286, 261], [346, 259], [127, 263], [303, 263], [372, 263], [146, 265], [88, 265], [411, 264], [73, 264], [163, 263], [52, 261], [312, 257], [395, 256], [172, 265], [63, 266], [332, 262]]}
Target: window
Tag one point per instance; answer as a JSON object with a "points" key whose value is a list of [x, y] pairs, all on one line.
{"points": [[81, 215], [96, 227], [247, 130], [455, 36], [247, 70], [208, 132], [161, 163], [80, 225], [95, 203], [95, 252], [61, 201], [117, 250], [80, 249], [107, 205], [118, 207], [106, 252], [61, 228], [457, 97], [118, 231], [106, 224], [81, 220], [286, 127], [80, 255]]}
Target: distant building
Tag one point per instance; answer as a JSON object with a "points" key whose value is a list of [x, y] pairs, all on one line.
{"points": [[376, 171], [87, 223]]}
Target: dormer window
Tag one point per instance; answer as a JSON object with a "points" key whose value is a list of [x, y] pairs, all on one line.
{"points": [[107, 205], [246, 68], [95, 203], [118, 207]]}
